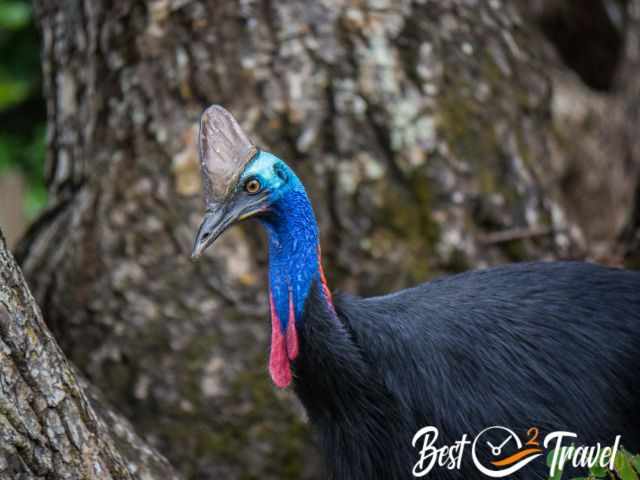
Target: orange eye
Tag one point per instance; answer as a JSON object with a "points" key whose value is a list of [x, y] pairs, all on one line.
{"points": [[252, 186]]}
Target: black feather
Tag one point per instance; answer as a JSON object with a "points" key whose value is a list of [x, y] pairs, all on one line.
{"points": [[552, 345]]}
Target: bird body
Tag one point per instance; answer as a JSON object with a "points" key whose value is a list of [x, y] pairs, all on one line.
{"points": [[553, 346]]}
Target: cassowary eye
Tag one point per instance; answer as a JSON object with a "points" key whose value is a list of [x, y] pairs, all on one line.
{"points": [[252, 186]]}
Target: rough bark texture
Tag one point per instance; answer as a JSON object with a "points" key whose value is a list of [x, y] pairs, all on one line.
{"points": [[50, 428], [425, 131], [595, 111]]}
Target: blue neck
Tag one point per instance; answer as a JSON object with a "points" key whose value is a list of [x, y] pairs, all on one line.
{"points": [[293, 251]]}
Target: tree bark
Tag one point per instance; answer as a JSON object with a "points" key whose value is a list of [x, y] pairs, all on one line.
{"points": [[630, 238], [593, 61], [424, 132], [50, 427]]}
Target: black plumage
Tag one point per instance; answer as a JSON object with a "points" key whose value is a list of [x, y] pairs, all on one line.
{"points": [[552, 345]]}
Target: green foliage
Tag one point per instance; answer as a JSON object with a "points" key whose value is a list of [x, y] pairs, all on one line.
{"points": [[22, 113], [14, 15], [626, 467], [12, 91], [19, 62]]}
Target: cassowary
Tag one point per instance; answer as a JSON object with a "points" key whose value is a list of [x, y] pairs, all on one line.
{"points": [[555, 346]]}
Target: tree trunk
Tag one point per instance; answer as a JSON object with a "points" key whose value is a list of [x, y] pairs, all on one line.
{"points": [[593, 61], [424, 133], [50, 427]]}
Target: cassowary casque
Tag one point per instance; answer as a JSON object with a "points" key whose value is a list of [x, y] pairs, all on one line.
{"points": [[553, 346]]}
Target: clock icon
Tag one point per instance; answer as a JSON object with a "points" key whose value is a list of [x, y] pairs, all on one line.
{"points": [[496, 451], [505, 453]]}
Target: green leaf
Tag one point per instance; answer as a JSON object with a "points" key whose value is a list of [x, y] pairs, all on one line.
{"points": [[14, 15], [598, 471], [636, 462], [623, 466]]}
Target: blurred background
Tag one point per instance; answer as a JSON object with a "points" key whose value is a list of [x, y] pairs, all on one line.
{"points": [[22, 119], [589, 38]]}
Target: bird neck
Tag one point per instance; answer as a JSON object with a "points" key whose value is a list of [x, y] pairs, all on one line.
{"points": [[294, 265]]}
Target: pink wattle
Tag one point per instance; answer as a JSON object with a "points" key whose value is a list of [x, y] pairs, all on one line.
{"points": [[292, 334], [279, 367]]}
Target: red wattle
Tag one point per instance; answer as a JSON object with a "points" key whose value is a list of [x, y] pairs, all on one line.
{"points": [[323, 279], [279, 367], [292, 333]]}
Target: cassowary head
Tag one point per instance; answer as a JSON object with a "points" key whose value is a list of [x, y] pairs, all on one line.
{"points": [[240, 181]]}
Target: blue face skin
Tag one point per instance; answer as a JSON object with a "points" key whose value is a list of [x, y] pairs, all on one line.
{"points": [[292, 231]]}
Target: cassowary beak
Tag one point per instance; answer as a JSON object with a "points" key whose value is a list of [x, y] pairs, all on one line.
{"points": [[223, 215], [215, 222]]}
